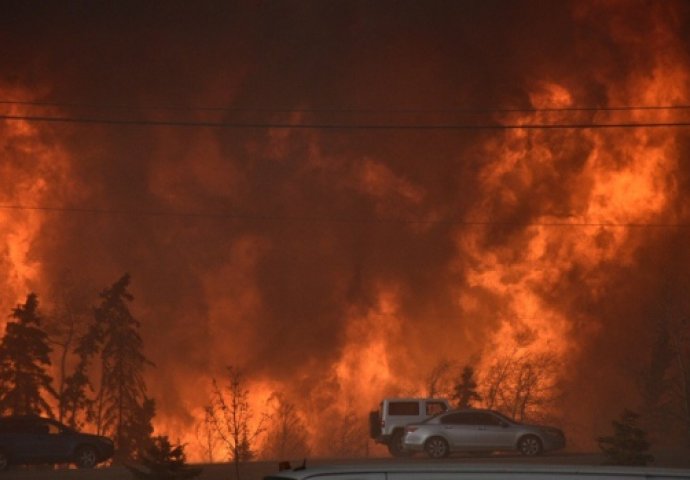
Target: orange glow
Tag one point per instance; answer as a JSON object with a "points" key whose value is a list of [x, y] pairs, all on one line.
{"points": [[338, 266], [28, 171]]}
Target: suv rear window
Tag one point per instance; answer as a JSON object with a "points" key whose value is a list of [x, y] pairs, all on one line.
{"points": [[403, 408]]}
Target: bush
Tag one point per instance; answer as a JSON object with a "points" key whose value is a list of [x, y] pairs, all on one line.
{"points": [[628, 445], [163, 461]]}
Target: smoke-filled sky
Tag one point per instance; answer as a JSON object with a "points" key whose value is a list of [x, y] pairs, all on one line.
{"points": [[340, 265]]}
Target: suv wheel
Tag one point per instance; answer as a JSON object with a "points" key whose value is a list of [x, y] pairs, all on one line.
{"points": [[436, 447], [86, 457], [529, 445], [4, 461], [396, 447]]}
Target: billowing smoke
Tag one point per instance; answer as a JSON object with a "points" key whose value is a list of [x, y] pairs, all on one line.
{"points": [[341, 265]]}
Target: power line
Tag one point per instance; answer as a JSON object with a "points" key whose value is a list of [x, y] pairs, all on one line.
{"points": [[309, 219], [460, 110], [342, 126]]}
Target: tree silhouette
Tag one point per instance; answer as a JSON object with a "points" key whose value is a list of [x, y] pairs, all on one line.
{"points": [[163, 461], [24, 358], [231, 417], [465, 392], [438, 381], [137, 430], [122, 407], [74, 403], [67, 324], [206, 434], [628, 445], [346, 436], [665, 380], [75, 400], [286, 435], [521, 384]]}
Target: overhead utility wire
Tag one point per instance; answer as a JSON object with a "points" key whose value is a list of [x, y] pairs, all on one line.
{"points": [[302, 219], [337, 110], [478, 110], [341, 126]]}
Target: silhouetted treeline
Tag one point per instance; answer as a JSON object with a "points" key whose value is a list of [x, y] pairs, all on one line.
{"points": [[99, 380]]}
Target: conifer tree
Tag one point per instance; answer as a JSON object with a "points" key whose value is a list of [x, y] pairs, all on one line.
{"points": [[465, 392], [24, 359], [74, 402], [628, 445], [136, 433], [122, 407]]}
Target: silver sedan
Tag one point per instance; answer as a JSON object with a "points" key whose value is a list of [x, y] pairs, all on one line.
{"points": [[473, 430]]}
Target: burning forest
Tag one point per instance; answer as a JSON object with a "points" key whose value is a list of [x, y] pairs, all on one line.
{"points": [[316, 205]]}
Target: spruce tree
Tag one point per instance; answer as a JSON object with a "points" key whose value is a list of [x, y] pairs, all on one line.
{"points": [[75, 403], [465, 392], [24, 359], [628, 445], [122, 407]]}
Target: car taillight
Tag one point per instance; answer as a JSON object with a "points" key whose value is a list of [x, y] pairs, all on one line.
{"points": [[410, 429]]}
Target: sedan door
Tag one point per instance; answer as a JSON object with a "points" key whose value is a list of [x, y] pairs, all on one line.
{"points": [[457, 429], [492, 432], [55, 443], [40, 442]]}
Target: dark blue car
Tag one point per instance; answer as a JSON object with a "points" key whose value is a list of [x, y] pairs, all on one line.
{"points": [[36, 440]]}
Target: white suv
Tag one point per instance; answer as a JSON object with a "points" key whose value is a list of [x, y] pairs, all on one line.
{"points": [[387, 424]]}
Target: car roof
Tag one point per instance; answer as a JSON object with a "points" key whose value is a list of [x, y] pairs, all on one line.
{"points": [[473, 471]]}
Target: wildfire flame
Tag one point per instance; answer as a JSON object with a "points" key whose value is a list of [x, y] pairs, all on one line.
{"points": [[338, 267]]}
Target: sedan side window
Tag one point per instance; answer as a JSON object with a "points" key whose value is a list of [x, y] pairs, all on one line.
{"points": [[456, 419], [486, 419]]}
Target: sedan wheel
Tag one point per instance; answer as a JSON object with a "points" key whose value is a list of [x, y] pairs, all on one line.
{"points": [[4, 461], [86, 457], [436, 447], [529, 445]]}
